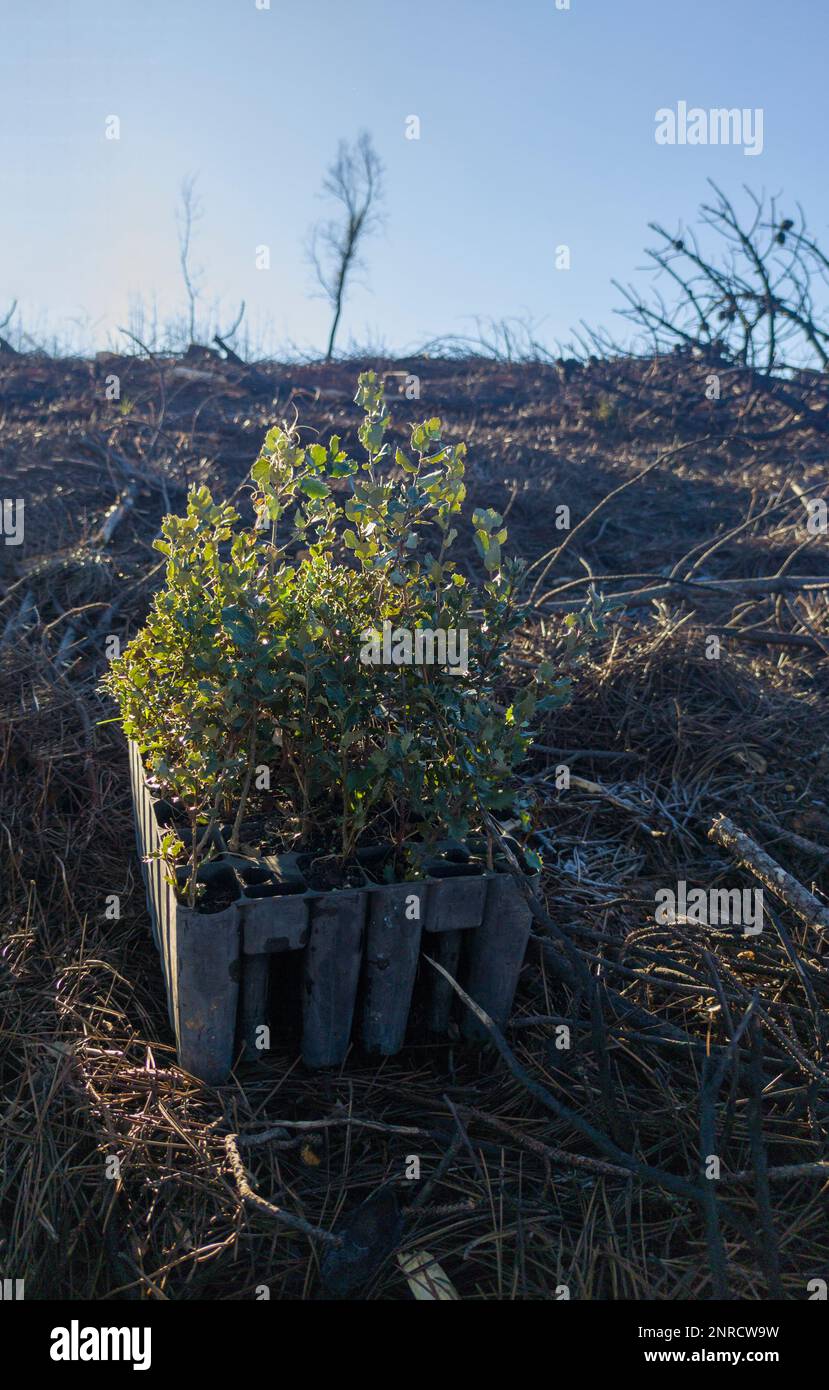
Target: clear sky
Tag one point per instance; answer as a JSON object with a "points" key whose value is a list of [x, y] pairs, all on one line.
{"points": [[537, 130]]}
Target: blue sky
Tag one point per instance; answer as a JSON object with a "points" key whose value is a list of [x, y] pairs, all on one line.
{"points": [[537, 130]]}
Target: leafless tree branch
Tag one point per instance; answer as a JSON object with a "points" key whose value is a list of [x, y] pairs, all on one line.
{"points": [[751, 302]]}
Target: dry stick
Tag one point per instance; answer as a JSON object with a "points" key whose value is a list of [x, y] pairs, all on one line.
{"points": [[769, 637], [788, 1045], [747, 852], [277, 1133], [553, 555], [70, 642], [118, 513], [641, 813], [278, 1130], [655, 1030], [706, 1198], [800, 493], [793, 554], [710, 547], [764, 584], [674, 577], [252, 1199], [670, 1181], [818, 1169], [547, 1151], [578, 581]]}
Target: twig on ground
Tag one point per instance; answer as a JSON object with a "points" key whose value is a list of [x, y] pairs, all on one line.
{"points": [[260, 1204]]}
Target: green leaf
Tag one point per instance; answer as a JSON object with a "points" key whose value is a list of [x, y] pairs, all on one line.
{"points": [[240, 626], [403, 461], [314, 487]]}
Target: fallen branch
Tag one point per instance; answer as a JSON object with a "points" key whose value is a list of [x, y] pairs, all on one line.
{"points": [[748, 853], [252, 1199], [332, 1122], [783, 1173], [772, 584], [768, 637], [547, 1151], [118, 513]]}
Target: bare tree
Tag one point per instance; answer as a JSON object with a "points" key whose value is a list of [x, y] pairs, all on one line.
{"points": [[188, 213], [4, 323], [754, 301], [355, 181]]}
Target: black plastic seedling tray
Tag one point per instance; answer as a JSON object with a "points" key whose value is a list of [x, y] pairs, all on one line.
{"points": [[358, 950]]}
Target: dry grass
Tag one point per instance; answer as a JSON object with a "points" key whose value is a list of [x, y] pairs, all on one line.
{"points": [[523, 1200]]}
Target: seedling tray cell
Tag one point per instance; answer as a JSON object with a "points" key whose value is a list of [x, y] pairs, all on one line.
{"points": [[360, 950]]}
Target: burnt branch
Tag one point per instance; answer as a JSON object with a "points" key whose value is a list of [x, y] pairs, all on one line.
{"points": [[752, 299]]}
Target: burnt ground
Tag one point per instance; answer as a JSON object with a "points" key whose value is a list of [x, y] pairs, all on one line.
{"points": [[541, 1166]]}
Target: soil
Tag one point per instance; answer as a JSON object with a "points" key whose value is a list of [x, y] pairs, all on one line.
{"points": [[330, 872], [215, 899]]}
